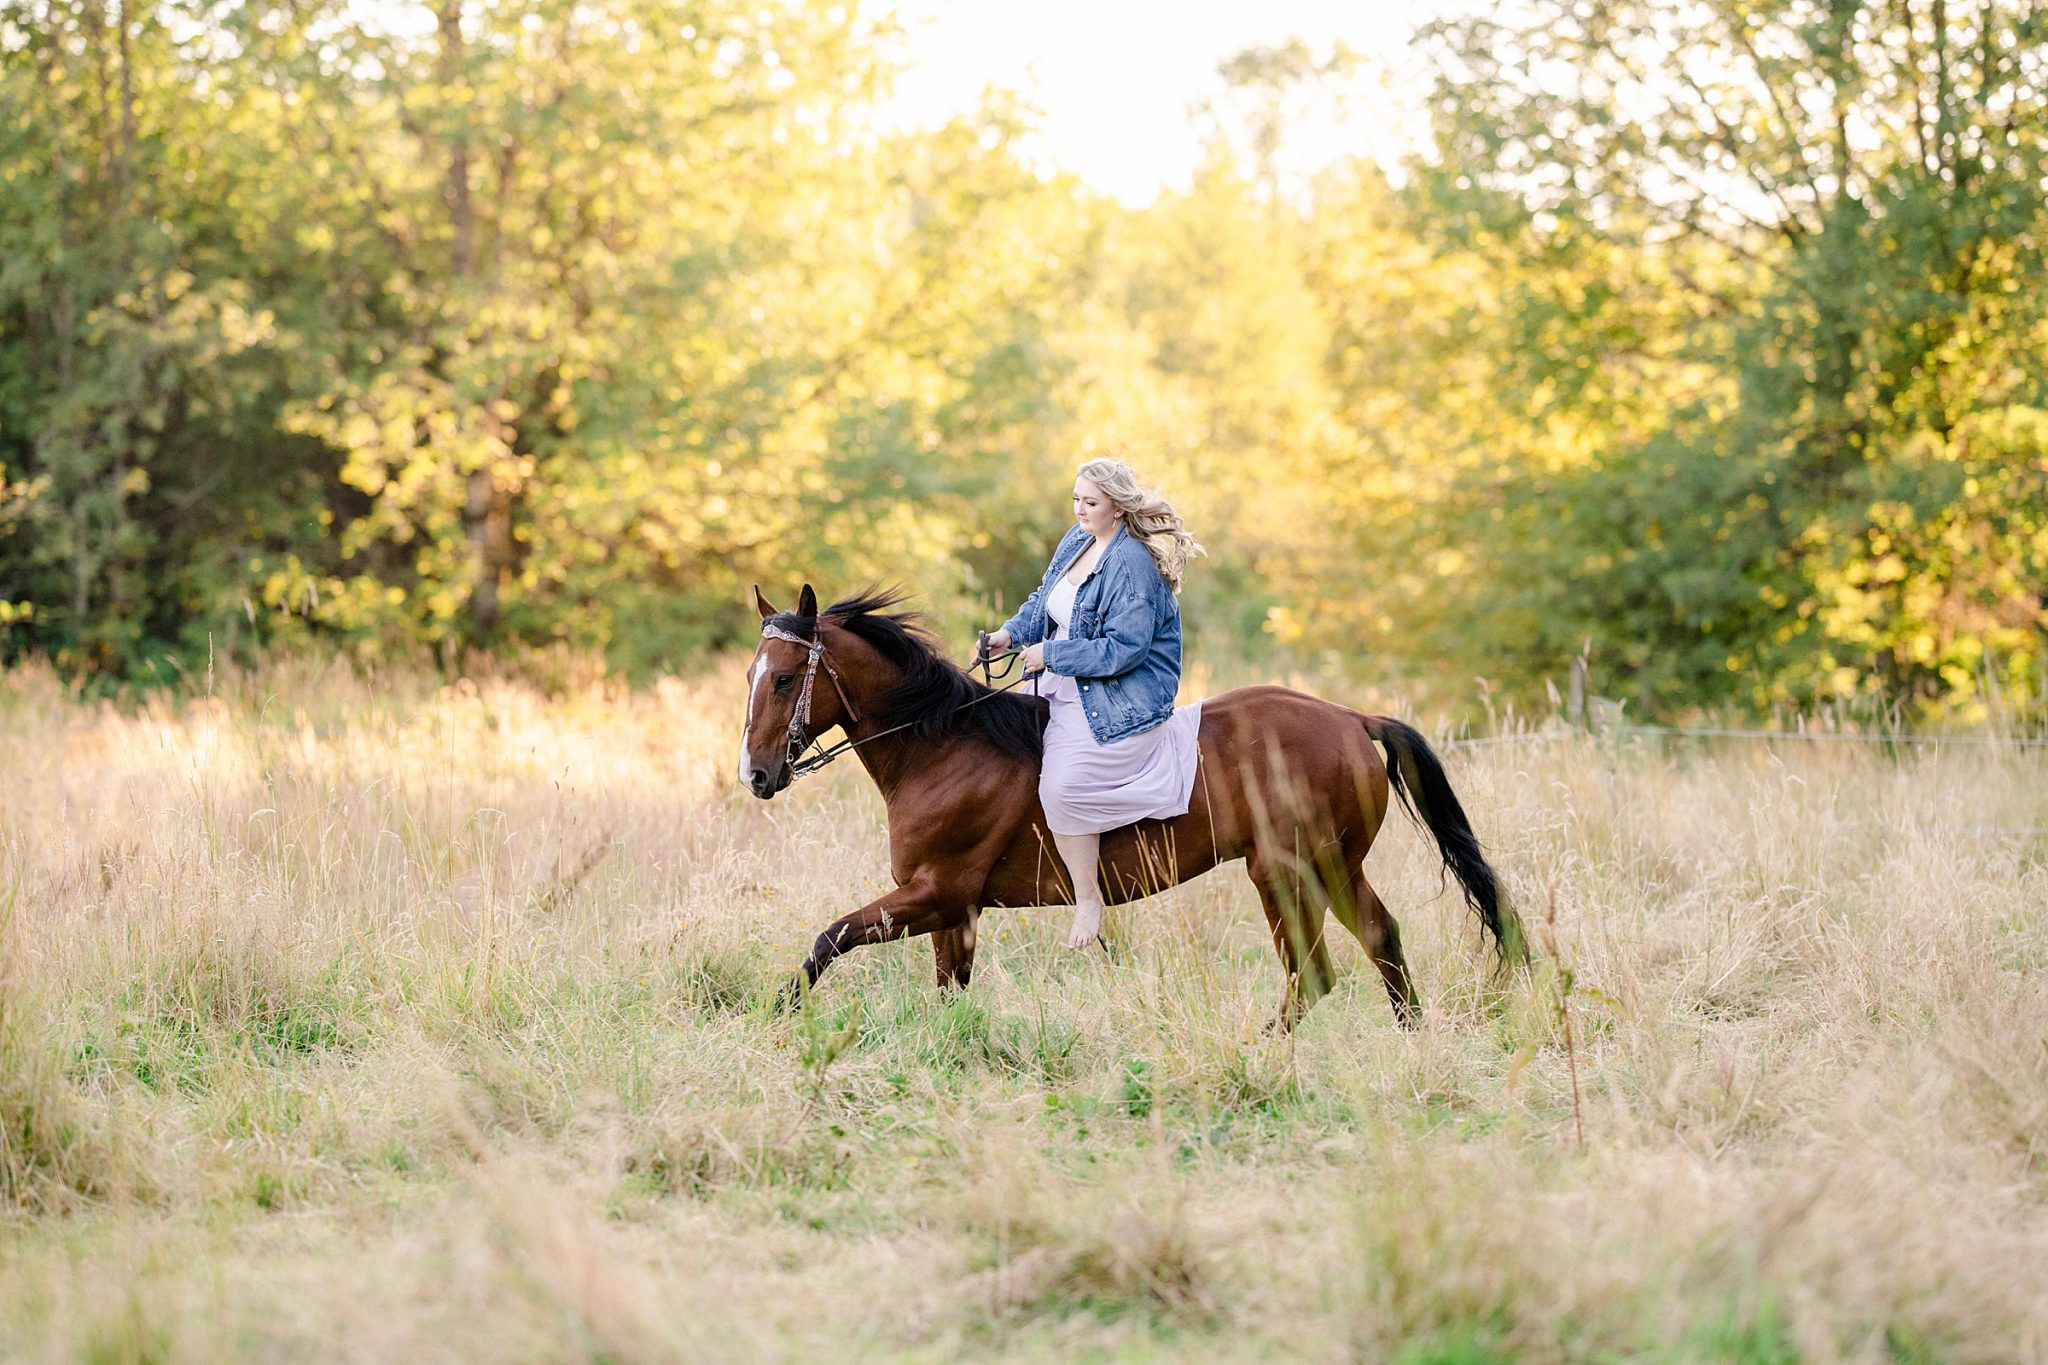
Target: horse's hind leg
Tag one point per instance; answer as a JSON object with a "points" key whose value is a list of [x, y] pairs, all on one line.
{"points": [[1295, 919], [1360, 910], [954, 951]]}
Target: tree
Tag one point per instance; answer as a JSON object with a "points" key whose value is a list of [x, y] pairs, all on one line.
{"points": [[1847, 198], [132, 356]]}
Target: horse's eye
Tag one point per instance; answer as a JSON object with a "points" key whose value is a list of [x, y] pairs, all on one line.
{"points": [[783, 680]]}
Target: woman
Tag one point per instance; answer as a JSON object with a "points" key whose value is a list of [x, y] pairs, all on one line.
{"points": [[1104, 626]]}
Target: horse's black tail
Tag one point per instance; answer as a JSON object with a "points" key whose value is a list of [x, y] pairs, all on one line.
{"points": [[1418, 779]]}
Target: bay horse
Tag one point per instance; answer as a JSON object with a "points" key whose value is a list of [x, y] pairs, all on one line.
{"points": [[1286, 781]]}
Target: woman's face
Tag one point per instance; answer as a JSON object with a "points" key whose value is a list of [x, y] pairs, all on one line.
{"points": [[1094, 510]]}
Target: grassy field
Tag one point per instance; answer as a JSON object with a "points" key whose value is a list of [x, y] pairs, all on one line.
{"points": [[375, 1020]]}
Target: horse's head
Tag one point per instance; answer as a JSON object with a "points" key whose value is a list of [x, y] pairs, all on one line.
{"points": [[792, 696]]}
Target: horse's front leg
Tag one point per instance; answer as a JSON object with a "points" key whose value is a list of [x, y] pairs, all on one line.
{"points": [[921, 905], [953, 952]]}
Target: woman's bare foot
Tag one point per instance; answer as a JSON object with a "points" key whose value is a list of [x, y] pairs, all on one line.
{"points": [[1086, 928]]}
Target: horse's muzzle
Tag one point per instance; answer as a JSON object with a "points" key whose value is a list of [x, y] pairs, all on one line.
{"points": [[764, 783]]}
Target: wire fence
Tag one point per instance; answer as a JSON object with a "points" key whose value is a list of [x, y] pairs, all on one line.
{"points": [[1597, 731], [1717, 732]]}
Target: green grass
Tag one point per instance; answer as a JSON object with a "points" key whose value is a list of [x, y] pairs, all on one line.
{"points": [[338, 1042]]}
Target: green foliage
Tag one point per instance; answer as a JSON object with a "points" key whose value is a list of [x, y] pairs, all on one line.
{"points": [[1773, 277], [50, 1153], [1711, 337], [1474, 1346]]}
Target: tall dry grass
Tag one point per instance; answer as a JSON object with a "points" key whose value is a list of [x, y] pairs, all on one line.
{"points": [[371, 1019]]}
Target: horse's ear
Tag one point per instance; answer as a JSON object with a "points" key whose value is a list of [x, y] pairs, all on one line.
{"points": [[807, 604], [762, 604]]}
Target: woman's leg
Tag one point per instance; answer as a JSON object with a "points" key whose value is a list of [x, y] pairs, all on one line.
{"points": [[1080, 852]]}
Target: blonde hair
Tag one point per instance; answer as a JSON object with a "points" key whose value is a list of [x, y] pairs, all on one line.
{"points": [[1147, 516]]}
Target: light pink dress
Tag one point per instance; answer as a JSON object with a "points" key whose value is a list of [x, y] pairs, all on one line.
{"points": [[1086, 787]]}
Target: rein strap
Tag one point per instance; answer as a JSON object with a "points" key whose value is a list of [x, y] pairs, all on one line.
{"points": [[800, 719]]}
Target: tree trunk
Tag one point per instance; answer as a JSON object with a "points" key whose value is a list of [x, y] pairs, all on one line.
{"points": [[489, 518], [450, 17]]}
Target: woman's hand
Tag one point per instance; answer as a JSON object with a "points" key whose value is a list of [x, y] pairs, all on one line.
{"points": [[1034, 659], [992, 646]]}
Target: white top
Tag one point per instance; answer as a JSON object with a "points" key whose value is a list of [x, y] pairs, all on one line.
{"points": [[1059, 610]]}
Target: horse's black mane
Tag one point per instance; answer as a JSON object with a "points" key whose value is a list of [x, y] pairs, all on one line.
{"points": [[934, 689]]}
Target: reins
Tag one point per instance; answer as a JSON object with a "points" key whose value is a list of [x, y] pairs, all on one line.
{"points": [[801, 764]]}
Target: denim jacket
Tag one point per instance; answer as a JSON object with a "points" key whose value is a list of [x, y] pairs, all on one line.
{"points": [[1123, 645]]}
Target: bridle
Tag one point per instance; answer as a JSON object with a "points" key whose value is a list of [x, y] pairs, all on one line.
{"points": [[800, 719], [799, 739]]}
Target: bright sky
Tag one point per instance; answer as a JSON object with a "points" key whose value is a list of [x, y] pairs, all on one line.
{"points": [[1115, 79]]}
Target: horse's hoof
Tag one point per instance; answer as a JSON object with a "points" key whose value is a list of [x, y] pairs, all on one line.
{"points": [[790, 999]]}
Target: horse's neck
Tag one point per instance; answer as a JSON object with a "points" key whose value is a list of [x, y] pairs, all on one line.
{"points": [[891, 759], [908, 769], [886, 757]]}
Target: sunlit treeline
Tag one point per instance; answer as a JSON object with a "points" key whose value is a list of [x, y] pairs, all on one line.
{"points": [[1709, 339]]}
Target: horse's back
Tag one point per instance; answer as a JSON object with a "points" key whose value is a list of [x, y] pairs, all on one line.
{"points": [[1268, 754], [1268, 749], [1308, 736]]}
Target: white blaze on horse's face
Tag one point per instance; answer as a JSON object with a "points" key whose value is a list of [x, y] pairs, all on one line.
{"points": [[756, 677]]}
